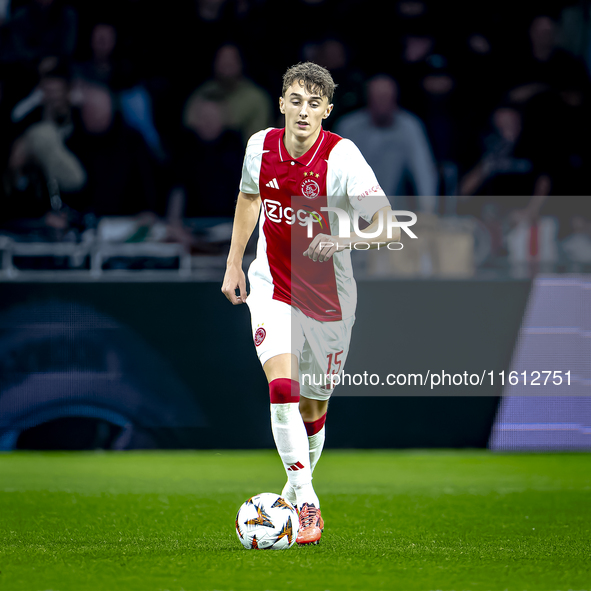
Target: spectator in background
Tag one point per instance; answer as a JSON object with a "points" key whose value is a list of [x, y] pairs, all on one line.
{"points": [[569, 152], [248, 107], [511, 188], [40, 29], [49, 100], [334, 55], [395, 145], [543, 67], [572, 150], [23, 194], [509, 170], [200, 26], [442, 111], [119, 167], [117, 73], [392, 27], [480, 51], [42, 123], [104, 66], [576, 246], [417, 47], [549, 83], [533, 79], [207, 165], [39, 168], [266, 42]]}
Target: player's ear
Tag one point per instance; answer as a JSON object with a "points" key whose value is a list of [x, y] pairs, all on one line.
{"points": [[281, 105], [328, 111]]}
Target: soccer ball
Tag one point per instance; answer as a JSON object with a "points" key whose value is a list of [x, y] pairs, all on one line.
{"points": [[267, 522]]}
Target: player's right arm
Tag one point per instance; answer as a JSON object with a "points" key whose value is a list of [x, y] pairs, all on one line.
{"points": [[248, 207]]}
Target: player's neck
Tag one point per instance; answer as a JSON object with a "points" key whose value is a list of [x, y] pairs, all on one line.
{"points": [[296, 146]]}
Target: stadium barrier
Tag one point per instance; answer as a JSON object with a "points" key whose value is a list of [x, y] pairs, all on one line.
{"points": [[172, 365]]}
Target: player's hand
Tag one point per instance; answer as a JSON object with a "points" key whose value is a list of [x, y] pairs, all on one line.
{"points": [[322, 247], [234, 279]]}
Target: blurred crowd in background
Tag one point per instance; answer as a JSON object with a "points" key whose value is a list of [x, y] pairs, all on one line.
{"points": [[475, 114]]}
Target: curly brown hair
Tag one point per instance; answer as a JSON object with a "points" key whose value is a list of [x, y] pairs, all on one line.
{"points": [[312, 77]]}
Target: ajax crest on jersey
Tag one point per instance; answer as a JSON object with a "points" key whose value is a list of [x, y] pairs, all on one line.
{"points": [[267, 522], [310, 188]]}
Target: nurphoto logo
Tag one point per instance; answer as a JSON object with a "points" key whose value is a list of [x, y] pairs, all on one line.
{"points": [[385, 218]]}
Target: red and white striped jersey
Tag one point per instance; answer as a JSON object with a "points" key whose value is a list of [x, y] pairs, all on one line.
{"points": [[332, 173]]}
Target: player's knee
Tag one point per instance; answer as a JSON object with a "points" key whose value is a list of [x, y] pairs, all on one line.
{"points": [[311, 409], [284, 391]]}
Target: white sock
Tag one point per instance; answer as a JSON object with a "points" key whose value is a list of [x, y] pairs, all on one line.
{"points": [[288, 493], [291, 441], [315, 445]]}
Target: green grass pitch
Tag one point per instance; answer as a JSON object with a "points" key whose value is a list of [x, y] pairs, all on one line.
{"points": [[415, 520]]}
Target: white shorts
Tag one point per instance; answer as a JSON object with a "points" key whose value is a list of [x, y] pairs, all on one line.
{"points": [[321, 347]]}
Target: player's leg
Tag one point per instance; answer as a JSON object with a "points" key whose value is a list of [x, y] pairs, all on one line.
{"points": [[312, 410], [291, 440], [323, 356], [289, 432], [279, 342], [313, 413], [314, 416], [278, 334], [313, 406]]}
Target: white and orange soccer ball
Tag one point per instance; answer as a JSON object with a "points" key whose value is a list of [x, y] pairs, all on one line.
{"points": [[267, 522]]}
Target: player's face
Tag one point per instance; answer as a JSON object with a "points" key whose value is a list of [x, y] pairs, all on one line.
{"points": [[304, 112]]}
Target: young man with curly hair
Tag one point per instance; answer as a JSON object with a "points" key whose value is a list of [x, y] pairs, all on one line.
{"points": [[303, 294]]}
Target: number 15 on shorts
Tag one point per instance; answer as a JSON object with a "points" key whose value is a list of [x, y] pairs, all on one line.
{"points": [[334, 368]]}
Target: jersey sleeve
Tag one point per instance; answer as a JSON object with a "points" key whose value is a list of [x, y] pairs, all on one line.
{"points": [[251, 167], [358, 180]]}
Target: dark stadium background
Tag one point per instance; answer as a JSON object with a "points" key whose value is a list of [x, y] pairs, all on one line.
{"points": [[121, 146]]}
